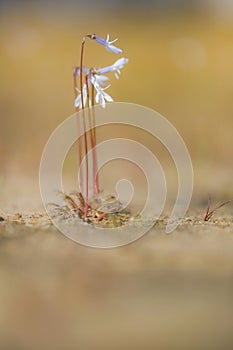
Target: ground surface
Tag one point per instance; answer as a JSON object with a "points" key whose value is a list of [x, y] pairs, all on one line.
{"points": [[161, 292]]}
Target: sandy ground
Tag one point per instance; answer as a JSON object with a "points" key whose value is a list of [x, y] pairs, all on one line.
{"points": [[161, 292]]}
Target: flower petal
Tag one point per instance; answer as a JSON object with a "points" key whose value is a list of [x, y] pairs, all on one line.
{"points": [[116, 66], [105, 70], [107, 97], [116, 74], [101, 79], [108, 44], [120, 62], [113, 49], [78, 100], [84, 69], [99, 99]]}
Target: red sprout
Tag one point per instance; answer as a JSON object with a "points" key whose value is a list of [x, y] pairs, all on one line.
{"points": [[209, 213]]}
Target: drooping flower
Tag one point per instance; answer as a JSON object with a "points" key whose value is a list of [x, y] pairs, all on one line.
{"points": [[101, 79], [101, 95], [78, 100], [108, 44], [115, 67], [98, 81]]}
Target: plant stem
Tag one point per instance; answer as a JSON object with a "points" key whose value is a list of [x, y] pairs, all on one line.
{"points": [[209, 213], [84, 127], [95, 173], [91, 117], [91, 135], [79, 141]]}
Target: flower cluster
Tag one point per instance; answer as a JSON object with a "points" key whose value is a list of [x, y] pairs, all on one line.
{"points": [[97, 78]]}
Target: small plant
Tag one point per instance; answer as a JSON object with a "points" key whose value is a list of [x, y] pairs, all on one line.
{"points": [[209, 213], [90, 85]]}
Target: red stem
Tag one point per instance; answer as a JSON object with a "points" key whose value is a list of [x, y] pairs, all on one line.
{"points": [[92, 137], [95, 173], [79, 141], [209, 213], [84, 127]]}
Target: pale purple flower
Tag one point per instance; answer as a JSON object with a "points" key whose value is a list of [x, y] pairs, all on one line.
{"points": [[108, 44], [115, 67]]}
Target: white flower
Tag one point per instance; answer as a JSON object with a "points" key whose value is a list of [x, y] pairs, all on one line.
{"points": [[101, 79], [108, 44], [115, 67], [78, 100], [101, 95]]}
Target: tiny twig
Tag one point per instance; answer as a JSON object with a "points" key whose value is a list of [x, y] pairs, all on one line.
{"points": [[82, 203], [71, 202], [209, 213]]}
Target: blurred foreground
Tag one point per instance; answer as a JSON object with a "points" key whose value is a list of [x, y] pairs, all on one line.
{"points": [[162, 292]]}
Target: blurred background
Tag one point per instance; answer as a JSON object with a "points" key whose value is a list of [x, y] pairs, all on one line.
{"points": [[180, 64], [164, 291]]}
